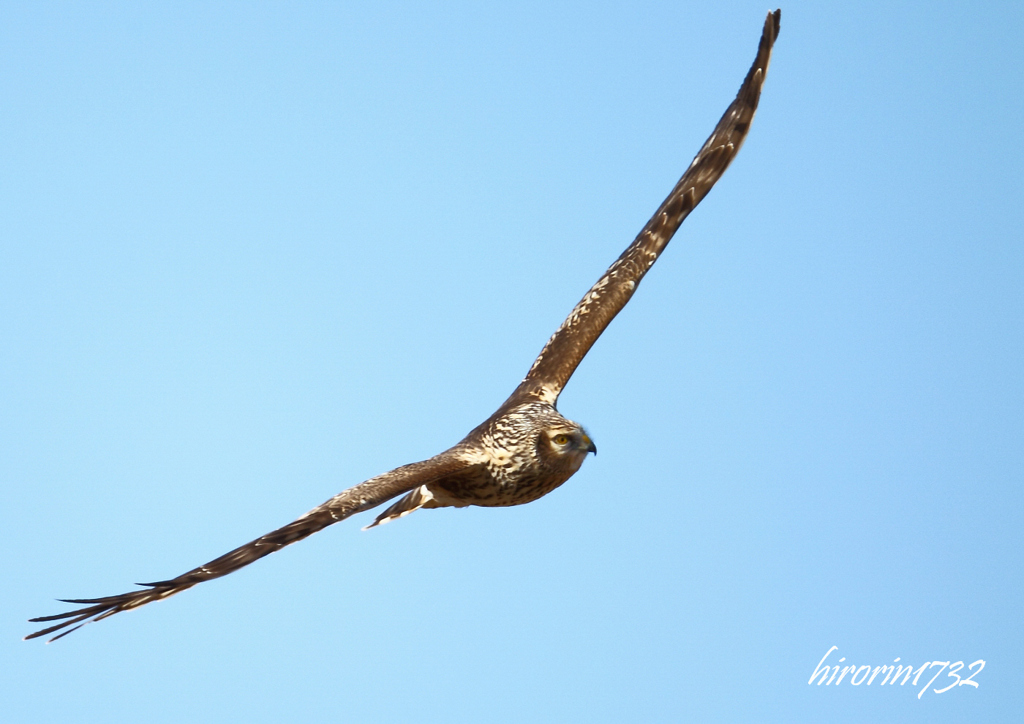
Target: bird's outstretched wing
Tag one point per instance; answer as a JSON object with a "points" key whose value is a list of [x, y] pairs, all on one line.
{"points": [[362, 497], [571, 342]]}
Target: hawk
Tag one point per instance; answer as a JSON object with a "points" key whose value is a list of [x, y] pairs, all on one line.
{"points": [[526, 448]]}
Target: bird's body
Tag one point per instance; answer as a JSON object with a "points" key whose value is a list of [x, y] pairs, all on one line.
{"points": [[515, 457], [526, 448]]}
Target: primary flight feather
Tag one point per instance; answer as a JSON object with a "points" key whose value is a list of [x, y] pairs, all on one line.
{"points": [[526, 448]]}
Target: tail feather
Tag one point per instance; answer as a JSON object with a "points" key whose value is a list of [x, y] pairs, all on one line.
{"points": [[421, 497]]}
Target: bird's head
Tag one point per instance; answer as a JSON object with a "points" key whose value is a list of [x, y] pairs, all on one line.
{"points": [[568, 444]]}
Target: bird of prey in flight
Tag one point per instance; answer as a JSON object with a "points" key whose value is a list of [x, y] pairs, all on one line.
{"points": [[526, 448]]}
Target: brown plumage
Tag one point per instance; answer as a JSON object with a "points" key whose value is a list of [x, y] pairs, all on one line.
{"points": [[526, 448]]}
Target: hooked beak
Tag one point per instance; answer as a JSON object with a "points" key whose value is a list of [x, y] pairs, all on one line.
{"points": [[591, 447]]}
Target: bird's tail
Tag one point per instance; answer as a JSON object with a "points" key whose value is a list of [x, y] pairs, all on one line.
{"points": [[421, 497]]}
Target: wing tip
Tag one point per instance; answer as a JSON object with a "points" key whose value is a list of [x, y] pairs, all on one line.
{"points": [[770, 33], [773, 21]]}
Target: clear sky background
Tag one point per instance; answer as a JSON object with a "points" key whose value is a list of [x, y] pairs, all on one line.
{"points": [[252, 254]]}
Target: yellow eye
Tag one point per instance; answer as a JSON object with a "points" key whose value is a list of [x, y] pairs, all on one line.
{"points": [[560, 439]]}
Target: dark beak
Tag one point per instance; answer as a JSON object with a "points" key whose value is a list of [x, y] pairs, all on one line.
{"points": [[591, 447]]}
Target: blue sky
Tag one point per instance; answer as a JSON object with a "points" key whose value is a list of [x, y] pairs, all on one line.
{"points": [[252, 254]]}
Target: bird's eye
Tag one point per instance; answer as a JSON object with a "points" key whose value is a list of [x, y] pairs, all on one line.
{"points": [[560, 439]]}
